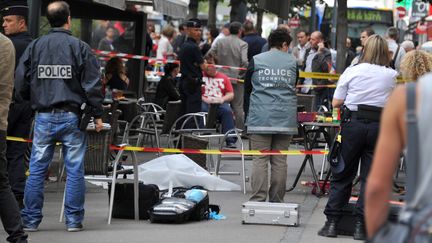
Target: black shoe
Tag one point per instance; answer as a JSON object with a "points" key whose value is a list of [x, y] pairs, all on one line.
{"points": [[359, 231], [329, 229]]}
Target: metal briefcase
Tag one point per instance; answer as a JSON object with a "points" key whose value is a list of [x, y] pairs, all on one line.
{"points": [[270, 213]]}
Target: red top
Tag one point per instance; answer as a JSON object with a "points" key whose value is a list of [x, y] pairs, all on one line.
{"points": [[216, 86]]}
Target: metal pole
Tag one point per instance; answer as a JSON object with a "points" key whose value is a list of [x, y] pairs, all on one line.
{"points": [[334, 24], [34, 17], [313, 16]]}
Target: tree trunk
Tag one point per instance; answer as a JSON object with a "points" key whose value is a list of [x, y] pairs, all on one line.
{"points": [[238, 10], [342, 32], [212, 13], [260, 14], [193, 9]]}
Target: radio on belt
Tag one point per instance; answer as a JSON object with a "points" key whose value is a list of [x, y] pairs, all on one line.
{"points": [[54, 71]]}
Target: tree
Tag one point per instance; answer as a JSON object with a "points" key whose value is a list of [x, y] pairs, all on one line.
{"points": [[342, 32], [260, 13], [238, 10], [212, 13], [193, 9]]}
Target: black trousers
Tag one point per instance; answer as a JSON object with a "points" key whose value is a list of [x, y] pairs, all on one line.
{"points": [[9, 211], [19, 124], [358, 143], [190, 92]]}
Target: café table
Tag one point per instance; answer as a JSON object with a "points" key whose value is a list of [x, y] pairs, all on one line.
{"points": [[315, 129]]}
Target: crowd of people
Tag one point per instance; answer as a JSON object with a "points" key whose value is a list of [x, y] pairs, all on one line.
{"points": [[258, 95]]}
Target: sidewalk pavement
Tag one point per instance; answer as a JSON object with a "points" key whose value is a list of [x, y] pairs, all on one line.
{"points": [[229, 230]]}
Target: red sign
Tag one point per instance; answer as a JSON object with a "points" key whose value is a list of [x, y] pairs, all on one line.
{"points": [[401, 12], [294, 23]]}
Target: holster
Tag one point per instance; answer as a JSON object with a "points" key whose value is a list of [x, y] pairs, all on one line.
{"points": [[84, 117]]}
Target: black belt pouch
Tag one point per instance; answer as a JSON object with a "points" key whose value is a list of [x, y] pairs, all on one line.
{"points": [[368, 112]]}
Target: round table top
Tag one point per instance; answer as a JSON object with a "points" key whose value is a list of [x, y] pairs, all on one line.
{"points": [[321, 124]]}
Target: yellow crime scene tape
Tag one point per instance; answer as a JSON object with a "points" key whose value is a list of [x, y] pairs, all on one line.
{"points": [[199, 151]]}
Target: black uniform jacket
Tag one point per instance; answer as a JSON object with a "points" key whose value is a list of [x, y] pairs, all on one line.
{"points": [[59, 69]]}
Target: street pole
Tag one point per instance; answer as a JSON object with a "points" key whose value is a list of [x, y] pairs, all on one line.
{"points": [[34, 15], [334, 24], [313, 16]]}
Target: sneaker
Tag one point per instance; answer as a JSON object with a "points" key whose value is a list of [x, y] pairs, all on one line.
{"points": [[30, 228], [75, 228]]}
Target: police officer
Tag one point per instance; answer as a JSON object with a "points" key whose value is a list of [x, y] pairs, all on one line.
{"points": [[58, 73], [15, 16], [362, 91], [9, 211], [192, 64]]}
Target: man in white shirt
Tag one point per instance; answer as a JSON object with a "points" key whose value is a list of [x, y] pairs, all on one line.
{"points": [[223, 33], [392, 34], [300, 50]]}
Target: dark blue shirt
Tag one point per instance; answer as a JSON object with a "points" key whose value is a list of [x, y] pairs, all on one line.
{"points": [[190, 58], [255, 44]]}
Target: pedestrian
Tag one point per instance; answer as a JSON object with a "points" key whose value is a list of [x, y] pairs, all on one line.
{"points": [[300, 49], [361, 92], [392, 36], [408, 46], [20, 117], [232, 51], [165, 49], [57, 86], [106, 43], [218, 91], [415, 64], [116, 75], [317, 58], [253, 39], [192, 64], [271, 102], [392, 140], [359, 50], [9, 210], [167, 87]]}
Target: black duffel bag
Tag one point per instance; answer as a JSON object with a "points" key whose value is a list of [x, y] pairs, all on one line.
{"points": [[123, 207]]}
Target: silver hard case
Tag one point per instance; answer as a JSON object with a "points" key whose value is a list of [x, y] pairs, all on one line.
{"points": [[270, 213]]}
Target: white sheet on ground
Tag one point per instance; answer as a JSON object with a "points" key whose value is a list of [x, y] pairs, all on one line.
{"points": [[183, 172]]}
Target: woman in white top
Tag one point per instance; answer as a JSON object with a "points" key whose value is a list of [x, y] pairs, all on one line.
{"points": [[164, 45], [361, 92]]}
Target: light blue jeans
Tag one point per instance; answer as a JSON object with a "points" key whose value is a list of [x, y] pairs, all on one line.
{"points": [[49, 129]]}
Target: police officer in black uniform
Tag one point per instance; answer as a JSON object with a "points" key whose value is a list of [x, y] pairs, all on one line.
{"points": [[15, 16], [192, 64], [58, 73]]}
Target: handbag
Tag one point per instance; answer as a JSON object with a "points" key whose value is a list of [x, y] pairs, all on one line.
{"points": [[415, 221]]}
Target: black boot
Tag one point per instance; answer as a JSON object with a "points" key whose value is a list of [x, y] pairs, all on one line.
{"points": [[359, 231], [329, 229]]}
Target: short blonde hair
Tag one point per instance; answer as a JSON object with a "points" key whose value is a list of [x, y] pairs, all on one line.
{"points": [[376, 51], [168, 31], [414, 64]]}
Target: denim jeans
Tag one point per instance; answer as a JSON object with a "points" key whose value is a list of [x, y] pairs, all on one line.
{"points": [[225, 116], [49, 129], [9, 211]]}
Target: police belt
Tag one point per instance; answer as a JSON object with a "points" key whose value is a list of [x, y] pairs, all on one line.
{"points": [[59, 109], [367, 115]]}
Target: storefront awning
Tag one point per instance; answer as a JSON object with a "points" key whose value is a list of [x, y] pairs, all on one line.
{"points": [[173, 8], [119, 4]]}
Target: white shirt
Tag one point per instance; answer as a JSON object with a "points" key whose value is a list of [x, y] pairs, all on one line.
{"points": [[308, 68], [365, 84], [393, 48], [164, 48]]}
